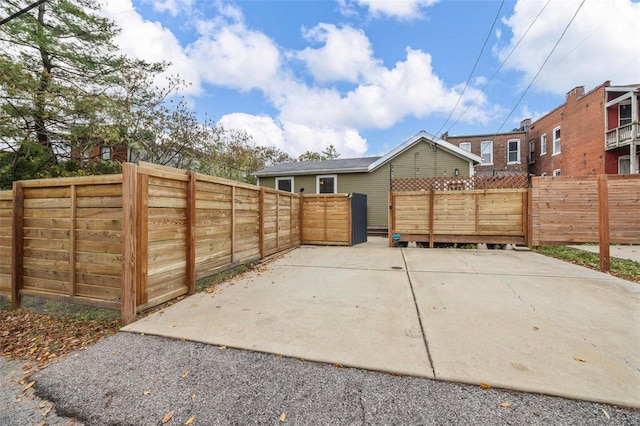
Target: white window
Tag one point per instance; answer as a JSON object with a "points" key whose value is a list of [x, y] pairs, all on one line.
{"points": [[624, 164], [532, 151], [556, 172], [543, 144], [543, 174], [486, 153], [624, 114], [105, 152], [513, 151], [285, 184], [327, 184], [466, 146], [556, 141]]}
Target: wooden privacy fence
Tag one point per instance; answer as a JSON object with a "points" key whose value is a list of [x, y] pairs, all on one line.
{"points": [[326, 219], [497, 216], [600, 209], [135, 240]]}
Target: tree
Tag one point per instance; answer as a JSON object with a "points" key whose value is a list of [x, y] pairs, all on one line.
{"points": [[59, 74], [329, 153]]}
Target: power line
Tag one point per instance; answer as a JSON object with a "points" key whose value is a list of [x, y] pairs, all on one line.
{"points": [[541, 66], [21, 12], [501, 65], [474, 67]]}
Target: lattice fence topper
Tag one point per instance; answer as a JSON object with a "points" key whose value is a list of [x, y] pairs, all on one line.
{"points": [[446, 183]]}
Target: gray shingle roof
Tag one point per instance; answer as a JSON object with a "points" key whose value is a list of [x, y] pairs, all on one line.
{"points": [[306, 167]]}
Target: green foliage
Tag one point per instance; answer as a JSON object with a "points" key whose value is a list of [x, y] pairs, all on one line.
{"points": [[329, 153], [622, 268]]}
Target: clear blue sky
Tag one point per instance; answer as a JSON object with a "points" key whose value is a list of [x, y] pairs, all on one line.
{"points": [[365, 75]]}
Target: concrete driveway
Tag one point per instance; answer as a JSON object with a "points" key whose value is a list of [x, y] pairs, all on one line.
{"points": [[516, 320]]}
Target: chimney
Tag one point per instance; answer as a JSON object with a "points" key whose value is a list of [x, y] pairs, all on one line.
{"points": [[524, 124], [576, 92]]}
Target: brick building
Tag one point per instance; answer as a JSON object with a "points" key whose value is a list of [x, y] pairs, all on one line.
{"points": [[501, 153], [571, 139]]}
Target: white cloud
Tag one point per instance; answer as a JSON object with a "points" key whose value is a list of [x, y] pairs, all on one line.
{"points": [[402, 9], [345, 56], [387, 96], [264, 130], [237, 58], [597, 46], [172, 6], [150, 41]]}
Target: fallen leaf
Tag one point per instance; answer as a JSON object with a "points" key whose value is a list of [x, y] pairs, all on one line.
{"points": [[167, 417], [577, 358], [536, 328], [145, 393], [505, 404], [605, 413], [222, 347], [29, 386], [42, 404], [278, 356], [484, 386], [283, 417], [193, 396], [47, 411], [189, 420], [337, 364], [185, 374]]}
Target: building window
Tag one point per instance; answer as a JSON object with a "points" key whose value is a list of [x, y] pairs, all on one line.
{"points": [[327, 184], [556, 172], [556, 141], [285, 184], [543, 174], [543, 144], [105, 153], [532, 151], [513, 151], [486, 153], [624, 164], [466, 146], [624, 114]]}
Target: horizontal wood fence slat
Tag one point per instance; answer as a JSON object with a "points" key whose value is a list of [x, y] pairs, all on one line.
{"points": [[565, 210], [496, 216], [135, 240]]}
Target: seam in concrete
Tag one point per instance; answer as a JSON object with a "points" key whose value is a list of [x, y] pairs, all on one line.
{"points": [[415, 302]]}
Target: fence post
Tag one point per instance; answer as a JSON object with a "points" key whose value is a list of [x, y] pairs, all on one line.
{"points": [[391, 219], [17, 245], [603, 223], [261, 219], [431, 217], [191, 233], [129, 242]]}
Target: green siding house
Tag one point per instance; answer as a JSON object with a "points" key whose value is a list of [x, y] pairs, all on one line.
{"points": [[422, 156]]}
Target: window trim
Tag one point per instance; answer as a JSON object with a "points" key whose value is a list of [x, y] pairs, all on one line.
{"points": [[543, 144], [278, 179], [630, 119], [105, 153], [557, 173], [532, 151], [465, 144], [558, 140], [335, 183], [490, 163], [517, 151]]}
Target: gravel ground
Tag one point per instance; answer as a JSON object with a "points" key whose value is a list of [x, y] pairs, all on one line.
{"points": [[20, 407], [130, 379]]}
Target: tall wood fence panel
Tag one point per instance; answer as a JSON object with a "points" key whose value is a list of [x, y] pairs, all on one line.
{"points": [[6, 209], [496, 216], [67, 240], [281, 221], [326, 219], [567, 210]]}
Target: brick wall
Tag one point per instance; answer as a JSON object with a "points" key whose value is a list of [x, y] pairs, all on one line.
{"points": [[500, 164], [581, 122]]}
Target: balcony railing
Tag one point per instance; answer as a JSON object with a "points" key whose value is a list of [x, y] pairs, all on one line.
{"points": [[621, 136]]}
